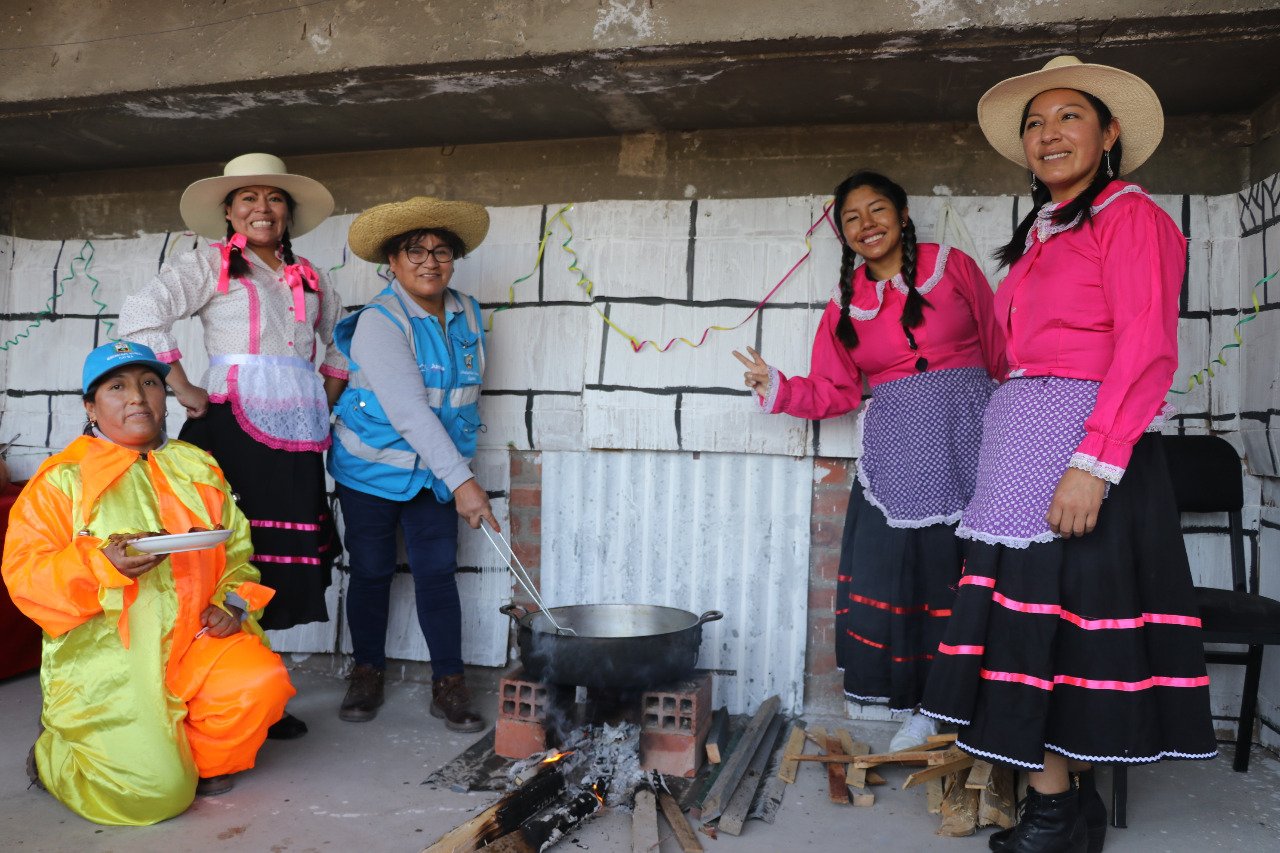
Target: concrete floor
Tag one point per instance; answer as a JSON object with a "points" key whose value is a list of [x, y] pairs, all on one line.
{"points": [[356, 787]]}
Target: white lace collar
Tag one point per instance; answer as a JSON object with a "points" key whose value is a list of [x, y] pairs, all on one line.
{"points": [[900, 285], [1044, 227]]}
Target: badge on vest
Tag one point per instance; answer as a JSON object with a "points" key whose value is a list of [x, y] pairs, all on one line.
{"points": [[469, 361]]}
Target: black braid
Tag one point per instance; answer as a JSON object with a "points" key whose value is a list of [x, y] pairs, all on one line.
{"points": [[286, 248], [844, 326], [238, 266], [913, 310], [1081, 205]]}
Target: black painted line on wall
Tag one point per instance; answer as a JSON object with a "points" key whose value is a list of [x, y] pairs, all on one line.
{"points": [[168, 235], [40, 392], [1184, 295], [542, 258], [528, 408], [693, 242], [656, 301], [48, 428], [53, 316], [513, 392], [666, 392], [53, 301], [679, 436], [604, 340], [817, 437]]}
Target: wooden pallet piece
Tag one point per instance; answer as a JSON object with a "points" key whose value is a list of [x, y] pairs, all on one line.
{"points": [[855, 776], [937, 771], [979, 775], [959, 807], [795, 747], [718, 736], [865, 799], [933, 795], [937, 740], [735, 814], [837, 783], [685, 836], [733, 769], [644, 823], [874, 778], [915, 756]]}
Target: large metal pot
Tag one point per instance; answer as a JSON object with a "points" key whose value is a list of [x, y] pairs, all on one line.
{"points": [[614, 646]]}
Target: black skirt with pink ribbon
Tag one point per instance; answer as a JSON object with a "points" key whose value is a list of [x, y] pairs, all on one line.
{"points": [[282, 492], [1088, 647]]}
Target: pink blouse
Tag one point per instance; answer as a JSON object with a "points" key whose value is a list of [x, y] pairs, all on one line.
{"points": [[1100, 302], [959, 330]]}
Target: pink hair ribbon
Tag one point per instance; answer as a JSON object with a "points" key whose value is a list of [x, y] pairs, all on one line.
{"points": [[237, 241]]}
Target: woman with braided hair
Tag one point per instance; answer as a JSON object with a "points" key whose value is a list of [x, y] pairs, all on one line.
{"points": [[262, 408], [915, 319]]}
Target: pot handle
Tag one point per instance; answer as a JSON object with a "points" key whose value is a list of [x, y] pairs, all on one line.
{"points": [[710, 616], [515, 611]]}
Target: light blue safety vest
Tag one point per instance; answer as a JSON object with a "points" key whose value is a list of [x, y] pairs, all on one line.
{"points": [[367, 453]]}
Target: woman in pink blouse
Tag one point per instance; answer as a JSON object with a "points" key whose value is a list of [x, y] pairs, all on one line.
{"points": [[916, 320], [262, 408], [1075, 637]]}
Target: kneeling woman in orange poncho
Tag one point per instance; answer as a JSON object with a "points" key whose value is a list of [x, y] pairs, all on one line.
{"points": [[157, 685]]}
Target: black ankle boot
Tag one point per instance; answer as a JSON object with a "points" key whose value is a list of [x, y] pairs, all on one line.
{"points": [[1050, 823], [1093, 809]]}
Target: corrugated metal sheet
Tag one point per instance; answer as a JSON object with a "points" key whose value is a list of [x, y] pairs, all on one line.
{"points": [[704, 531]]}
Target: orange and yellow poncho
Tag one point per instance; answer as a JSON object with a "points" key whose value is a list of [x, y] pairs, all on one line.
{"points": [[136, 707]]}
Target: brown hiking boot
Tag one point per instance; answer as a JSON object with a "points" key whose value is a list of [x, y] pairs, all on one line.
{"points": [[364, 696], [451, 702]]}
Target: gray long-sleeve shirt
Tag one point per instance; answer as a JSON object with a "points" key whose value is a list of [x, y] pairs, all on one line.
{"points": [[381, 349]]}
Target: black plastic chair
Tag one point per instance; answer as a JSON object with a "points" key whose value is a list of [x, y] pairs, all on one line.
{"points": [[1207, 477]]}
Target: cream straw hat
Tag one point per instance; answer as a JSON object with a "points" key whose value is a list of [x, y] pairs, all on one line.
{"points": [[1130, 99], [201, 204], [470, 221]]}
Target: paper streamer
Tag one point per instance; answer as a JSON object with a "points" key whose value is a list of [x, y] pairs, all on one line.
{"points": [[85, 257], [586, 284], [1201, 376]]}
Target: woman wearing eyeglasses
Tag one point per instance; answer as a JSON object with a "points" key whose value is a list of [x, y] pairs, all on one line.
{"points": [[403, 441], [916, 320]]}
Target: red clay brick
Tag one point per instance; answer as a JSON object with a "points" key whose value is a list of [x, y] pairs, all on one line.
{"points": [[525, 496], [831, 503], [672, 753], [518, 738], [834, 470], [826, 567], [821, 601]]}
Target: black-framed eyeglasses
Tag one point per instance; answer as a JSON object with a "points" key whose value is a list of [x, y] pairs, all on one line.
{"points": [[419, 254], [922, 363]]}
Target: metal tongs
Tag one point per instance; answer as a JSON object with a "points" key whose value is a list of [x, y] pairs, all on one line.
{"points": [[521, 575]]}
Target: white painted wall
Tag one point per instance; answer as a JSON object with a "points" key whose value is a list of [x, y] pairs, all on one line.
{"points": [[560, 381]]}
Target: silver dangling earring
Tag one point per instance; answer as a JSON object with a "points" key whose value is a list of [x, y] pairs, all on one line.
{"points": [[1106, 156], [1034, 185]]}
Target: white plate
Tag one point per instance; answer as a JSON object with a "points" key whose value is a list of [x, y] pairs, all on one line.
{"points": [[177, 542]]}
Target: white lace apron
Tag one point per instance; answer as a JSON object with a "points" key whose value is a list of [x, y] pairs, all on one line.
{"points": [[279, 400]]}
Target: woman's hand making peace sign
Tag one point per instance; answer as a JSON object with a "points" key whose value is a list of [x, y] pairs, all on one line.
{"points": [[757, 376]]}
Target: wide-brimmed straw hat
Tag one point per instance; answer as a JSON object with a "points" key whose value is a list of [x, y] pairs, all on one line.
{"points": [[1130, 99], [377, 225], [201, 204]]}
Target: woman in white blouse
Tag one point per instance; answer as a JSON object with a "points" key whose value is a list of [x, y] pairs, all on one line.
{"points": [[262, 408]]}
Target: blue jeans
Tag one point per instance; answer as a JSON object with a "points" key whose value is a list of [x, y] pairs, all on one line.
{"points": [[430, 531]]}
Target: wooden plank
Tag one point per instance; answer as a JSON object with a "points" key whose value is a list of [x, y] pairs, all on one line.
{"points": [[864, 800], [733, 769], [735, 814], [933, 795], [979, 775], [718, 735], [938, 771], [837, 784], [684, 833], [855, 776], [463, 836], [795, 747], [949, 737], [644, 823], [919, 756], [874, 778]]}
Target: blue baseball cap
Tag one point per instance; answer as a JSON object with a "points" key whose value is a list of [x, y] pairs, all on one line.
{"points": [[118, 354]]}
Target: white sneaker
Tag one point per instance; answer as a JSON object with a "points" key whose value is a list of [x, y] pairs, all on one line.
{"points": [[915, 730]]}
